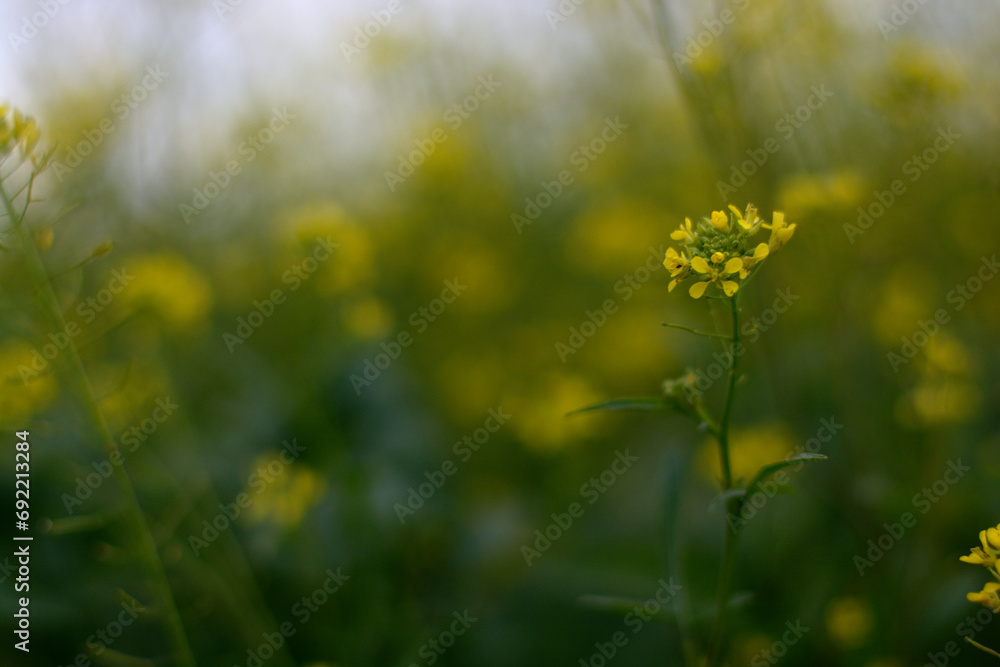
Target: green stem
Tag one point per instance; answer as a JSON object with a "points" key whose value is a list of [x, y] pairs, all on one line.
{"points": [[983, 648], [151, 559], [716, 646]]}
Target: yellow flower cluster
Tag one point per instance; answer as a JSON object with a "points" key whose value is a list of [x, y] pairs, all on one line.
{"points": [[717, 250], [987, 556], [17, 131]]}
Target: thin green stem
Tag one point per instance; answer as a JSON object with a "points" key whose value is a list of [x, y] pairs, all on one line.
{"points": [[983, 648], [716, 647], [151, 559]]}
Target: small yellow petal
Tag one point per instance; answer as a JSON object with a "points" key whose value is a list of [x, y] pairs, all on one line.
{"points": [[698, 289], [671, 253], [730, 287], [718, 258], [679, 235], [736, 212], [973, 558], [993, 537], [778, 220], [699, 264], [720, 220], [761, 252], [786, 233], [672, 285], [734, 265]]}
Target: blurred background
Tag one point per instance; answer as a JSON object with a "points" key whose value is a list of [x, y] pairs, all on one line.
{"points": [[367, 255]]}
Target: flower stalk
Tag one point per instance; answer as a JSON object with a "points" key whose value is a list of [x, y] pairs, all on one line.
{"points": [[18, 140]]}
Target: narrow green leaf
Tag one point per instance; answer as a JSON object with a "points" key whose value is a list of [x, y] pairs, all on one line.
{"points": [[628, 405], [772, 468], [695, 331], [723, 498]]}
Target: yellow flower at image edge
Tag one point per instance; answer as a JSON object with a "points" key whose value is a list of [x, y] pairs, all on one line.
{"points": [[987, 597], [986, 555]]}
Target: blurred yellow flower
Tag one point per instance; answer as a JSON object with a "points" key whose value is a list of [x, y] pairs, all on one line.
{"points": [[367, 318], [539, 412], [22, 398], [288, 497], [849, 622], [749, 450], [352, 266], [170, 287]]}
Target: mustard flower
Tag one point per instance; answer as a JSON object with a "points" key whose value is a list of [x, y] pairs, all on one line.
{"points": [[987, 556], [718, 250]]}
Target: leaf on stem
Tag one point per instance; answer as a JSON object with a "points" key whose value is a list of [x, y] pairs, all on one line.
{"points": [[628, 405], [772, 468]]}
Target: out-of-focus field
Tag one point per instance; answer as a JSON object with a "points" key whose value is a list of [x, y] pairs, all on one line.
{"points": [[402, 257]]}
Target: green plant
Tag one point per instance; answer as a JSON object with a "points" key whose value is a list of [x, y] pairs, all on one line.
{"points": [[718, 254]]}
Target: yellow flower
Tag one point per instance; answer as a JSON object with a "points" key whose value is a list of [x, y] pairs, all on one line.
{"points": [[721, 252], [685, 233], [987, 555], [988, 597], [759, 255], [678, 265], [720, 220], [781, 231], [714, 275], [744, 222]]}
